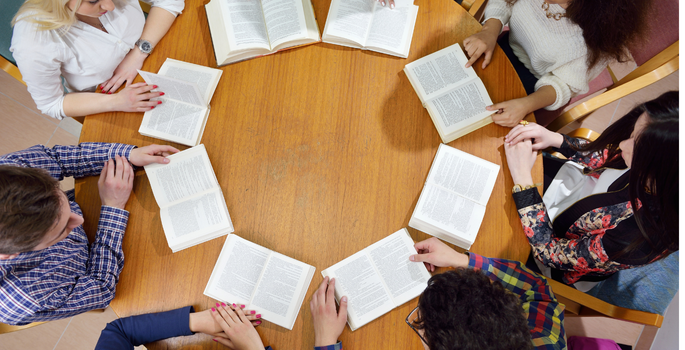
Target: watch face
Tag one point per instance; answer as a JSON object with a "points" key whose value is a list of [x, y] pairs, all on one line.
{"points": [[145, 46]]}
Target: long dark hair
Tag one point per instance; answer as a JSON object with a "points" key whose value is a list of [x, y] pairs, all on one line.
{"points": [[654, 170], [609, 26]]}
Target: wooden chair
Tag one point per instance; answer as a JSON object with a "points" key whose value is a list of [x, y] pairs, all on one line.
{"points": [[475, 8], [11, 69]]}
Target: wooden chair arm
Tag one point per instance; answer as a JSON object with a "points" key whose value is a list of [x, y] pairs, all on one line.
{"points": [[576, 300], [584, 133], [11, 69], [612, 95], [655, 62]]}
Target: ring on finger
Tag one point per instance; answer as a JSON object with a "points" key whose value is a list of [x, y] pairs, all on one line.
{"points": [[523, 122]]}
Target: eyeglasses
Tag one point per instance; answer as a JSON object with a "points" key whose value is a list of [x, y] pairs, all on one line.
{"points": [[412, 317]]}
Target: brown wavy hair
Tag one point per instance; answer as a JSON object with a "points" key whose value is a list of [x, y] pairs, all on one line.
{"points": [[609, 26]]}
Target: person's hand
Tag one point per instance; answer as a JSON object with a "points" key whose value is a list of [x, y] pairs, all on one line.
{"points": [[541, 136], [240, 333], [125, 72], [136, 98], [116, 182], [478, 44], [151, 154], [203, 322], [433, 252], [390, 2], [520, 159], [328, 324], [509, 113]]}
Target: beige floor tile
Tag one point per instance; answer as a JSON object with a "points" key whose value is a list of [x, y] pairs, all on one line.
{"points": [[72, 126], [67, 184], [62, 137], [21, 127], [653, 91], [84, 330], [603, 327], [42, 337], [622, 69], [17, 91]]}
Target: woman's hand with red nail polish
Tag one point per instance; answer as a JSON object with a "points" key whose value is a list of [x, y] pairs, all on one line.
{"points": [[238, 328], [136, 98]]}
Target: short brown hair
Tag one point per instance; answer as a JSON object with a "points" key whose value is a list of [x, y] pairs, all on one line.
{"points": [[30, 205]]}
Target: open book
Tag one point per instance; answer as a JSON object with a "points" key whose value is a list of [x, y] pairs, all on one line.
{"points": [[261, 279], [452, 202], [243, 29], [379, 278], [366, 24], [182, 116], [453, 95], [191, 205]]}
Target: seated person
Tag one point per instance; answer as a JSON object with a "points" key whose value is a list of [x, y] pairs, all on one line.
{"points": [[88, 43], [48, 270], [612, 205], [556, 46], [480, 305], [229, 325]]}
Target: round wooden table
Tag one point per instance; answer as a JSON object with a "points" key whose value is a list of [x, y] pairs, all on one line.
{"points": [[320, 151]]}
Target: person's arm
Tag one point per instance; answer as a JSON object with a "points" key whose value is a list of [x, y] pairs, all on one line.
{"points": [[328, 323], [509, 113], [159, 20], [542, 310]]}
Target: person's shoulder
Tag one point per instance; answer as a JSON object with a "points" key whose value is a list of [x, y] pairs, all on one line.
{"points": [[29, 34]]}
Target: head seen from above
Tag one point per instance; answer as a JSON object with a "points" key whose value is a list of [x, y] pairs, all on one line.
{"points": [[465, 307], [34, 212], [56, 14]]}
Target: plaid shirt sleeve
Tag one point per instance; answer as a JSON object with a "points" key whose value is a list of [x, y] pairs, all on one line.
{"points": [[86, 159], [337, 346], [544, 313], [67, 278]]}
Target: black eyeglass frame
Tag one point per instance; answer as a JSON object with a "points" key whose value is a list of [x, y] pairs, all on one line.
{"points": [[412, 326]]}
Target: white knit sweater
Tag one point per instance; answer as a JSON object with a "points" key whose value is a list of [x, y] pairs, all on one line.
{"points": [[554, 51]]}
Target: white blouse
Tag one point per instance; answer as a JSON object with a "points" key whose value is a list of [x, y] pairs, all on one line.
{"points": [[83, 55]]}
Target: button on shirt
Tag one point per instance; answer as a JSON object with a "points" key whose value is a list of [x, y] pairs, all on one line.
{"points": [[84, 55], [69, 277]]}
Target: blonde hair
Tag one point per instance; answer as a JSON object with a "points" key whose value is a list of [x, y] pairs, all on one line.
{"points": [[47, 14]]}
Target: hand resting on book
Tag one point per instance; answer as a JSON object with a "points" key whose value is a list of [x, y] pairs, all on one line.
{"points": [[391, 3], [151, 154], [237, 326], [328, 325], [433, 252]]}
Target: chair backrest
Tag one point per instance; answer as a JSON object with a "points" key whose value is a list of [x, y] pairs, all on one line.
{"points": [[649, 288], [661, 33], [5, 328]]}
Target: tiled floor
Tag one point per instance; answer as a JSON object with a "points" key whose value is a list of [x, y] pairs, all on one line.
{"points": [[23, 126]]}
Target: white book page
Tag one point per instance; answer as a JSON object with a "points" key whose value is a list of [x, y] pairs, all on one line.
{"points": [[463, 174], [174, 121], [403, 278], [392, 29], [237, 271], [284, 21], [357, 279], [350, 19], [439, 72], [175, 89], [279, 295], [461, 107], [205, 78], [188, 221], [188, 173], [245, 26]]}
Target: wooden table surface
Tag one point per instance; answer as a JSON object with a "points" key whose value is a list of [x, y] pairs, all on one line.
{"points": [[320, 151]]}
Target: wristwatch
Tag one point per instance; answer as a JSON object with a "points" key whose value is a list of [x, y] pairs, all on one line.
{"points": [[518, 188], [144, 46]]}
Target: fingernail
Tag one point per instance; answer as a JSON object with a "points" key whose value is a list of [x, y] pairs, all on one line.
{"points": [[392, 6], [383, 3], [159, 102], [258, 322], [213, 310], [242, 306], [109, 93], [233, 305], [222, 304], [217, 304], [154, 86], [343, 299], [164, 160], [411, 258], [258, 315], [215, 340], [153, 107], [253, 312], [161, 94]]}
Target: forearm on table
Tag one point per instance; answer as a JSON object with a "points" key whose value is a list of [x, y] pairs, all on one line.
{"points": [[106, 254], [492, 26], [79, 104], [543, 97]]}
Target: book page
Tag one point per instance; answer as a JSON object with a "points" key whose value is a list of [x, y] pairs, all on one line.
{"points": [[175, 89], [284, 20], [463, 173], [392, 29], [205, 78], [188, 173], [281, 289], [245, 25], [439, 72], [461, 107], [350, 19], [357, 279], [174, 121], [186, 220], [403, 278], [237, 271], [452, 213]]}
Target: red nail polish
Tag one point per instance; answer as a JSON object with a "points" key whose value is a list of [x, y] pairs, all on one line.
{"points": [[154, 86], [222, 304], [233, 305], [215, 340], [110, 93], [213, 309], [159, 102], [258, 316], [252, 312], [217, 304], [161, 94], [258, 322], [153, 107], [242, 306]]}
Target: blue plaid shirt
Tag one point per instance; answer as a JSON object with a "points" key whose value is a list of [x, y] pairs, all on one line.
{"points": [[69, 277]]}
